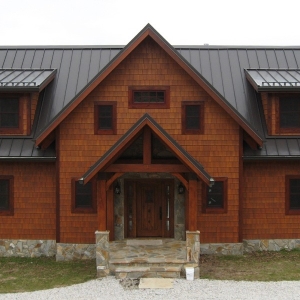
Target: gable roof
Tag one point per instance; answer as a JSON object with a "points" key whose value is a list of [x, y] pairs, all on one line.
{"points": [[146, 120], [52, 116]]}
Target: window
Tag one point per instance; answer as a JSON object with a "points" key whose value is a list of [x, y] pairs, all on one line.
{"points": [[84, 197], [6, 195], [292, 194], [10, 115], [105, 117], [192, 117], [215, 196], [289, 114], [149, 97]]}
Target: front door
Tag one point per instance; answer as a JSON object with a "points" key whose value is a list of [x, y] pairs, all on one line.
{"points": [[149, 208]]}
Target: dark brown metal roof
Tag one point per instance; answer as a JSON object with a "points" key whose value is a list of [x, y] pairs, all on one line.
{"points": [[24, 80], [266, 80], [23, 149]]}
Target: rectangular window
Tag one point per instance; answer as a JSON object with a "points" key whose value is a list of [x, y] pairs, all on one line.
{"points": [[6, 195], [84, 197], [289, 114], [149, 97], [215, 197], [292, 194], [105, 117], [192, 117]]}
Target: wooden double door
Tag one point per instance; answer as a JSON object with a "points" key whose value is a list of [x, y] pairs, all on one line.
{"points": [[149, 208]]}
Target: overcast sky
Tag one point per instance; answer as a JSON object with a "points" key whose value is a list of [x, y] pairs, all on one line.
{"points": [[180, 22]]}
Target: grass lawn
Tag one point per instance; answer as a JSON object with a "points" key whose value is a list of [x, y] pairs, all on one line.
{"points": [[30, 274]]}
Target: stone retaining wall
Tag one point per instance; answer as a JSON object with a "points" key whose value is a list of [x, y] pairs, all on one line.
{"points": [[67, 252], [222, 249], [270, 245], [27, 248]]}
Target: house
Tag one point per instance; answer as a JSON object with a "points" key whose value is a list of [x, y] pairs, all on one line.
{"points": [[149, 140]]}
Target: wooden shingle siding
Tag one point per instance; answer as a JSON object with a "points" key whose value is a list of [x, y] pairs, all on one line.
{"points": [[216, 149], [34, 201], [264, 201]]}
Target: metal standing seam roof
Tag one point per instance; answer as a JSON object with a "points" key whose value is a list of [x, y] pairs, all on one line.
{"points": [[25, 79], [264, 80], [24, 149]]}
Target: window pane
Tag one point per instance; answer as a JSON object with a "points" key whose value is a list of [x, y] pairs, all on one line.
{"points": [[84, 194], [9, 113], [105, 116], [215, 195], [192, 116], [148, 96], [295, 193], [4, 194], [289, 112]]}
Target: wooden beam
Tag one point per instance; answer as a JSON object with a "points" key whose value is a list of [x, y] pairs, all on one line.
{"points": [[101, 205], [192, 204], [110, 213], [112, 179], [147, 146], [182, 180], [159, 168]]}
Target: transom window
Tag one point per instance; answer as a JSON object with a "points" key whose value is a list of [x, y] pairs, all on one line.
{"points": [[289, 113], [215, 196], [83, 196], [192, 117], [105, 117], [293, 194], [149, 97], [6, 195]]}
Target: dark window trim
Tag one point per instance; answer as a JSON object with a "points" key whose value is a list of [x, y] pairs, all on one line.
{"points": [[10, 210], [132, 89], [185, 130], [288, 209], [98, 130], [20, 128], [215, 210], [88, 210], [284, 130]]}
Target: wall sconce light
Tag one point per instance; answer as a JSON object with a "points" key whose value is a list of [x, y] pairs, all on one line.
{"points": [[117, 189], [181, 188]]}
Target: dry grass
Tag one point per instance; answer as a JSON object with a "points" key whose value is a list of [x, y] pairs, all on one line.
{"points": [[258, 266]]}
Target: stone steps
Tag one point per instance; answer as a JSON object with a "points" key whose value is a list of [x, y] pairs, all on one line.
{"points": [[147, 271]]}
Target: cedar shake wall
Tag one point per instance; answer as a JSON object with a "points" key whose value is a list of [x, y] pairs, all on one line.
{"points": [[217, 149], [34, 201], [264, 201]]}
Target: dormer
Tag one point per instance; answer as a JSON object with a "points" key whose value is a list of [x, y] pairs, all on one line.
{"points": [[280, 95], [19, 93]]}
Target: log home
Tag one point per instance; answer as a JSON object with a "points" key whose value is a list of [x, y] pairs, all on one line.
{"points": [[148, 142]]}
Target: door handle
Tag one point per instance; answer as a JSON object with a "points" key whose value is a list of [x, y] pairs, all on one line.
{"points": [[160, 213]]}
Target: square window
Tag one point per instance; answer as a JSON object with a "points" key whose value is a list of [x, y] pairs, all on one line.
{"points": [[6, 195], [289, 114], [84, 196], [192, 117], [215, 197], [149, 97], [292, 194], [105, 117]]}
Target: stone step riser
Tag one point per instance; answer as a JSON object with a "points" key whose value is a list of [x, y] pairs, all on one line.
{"points": [[122, 275]]}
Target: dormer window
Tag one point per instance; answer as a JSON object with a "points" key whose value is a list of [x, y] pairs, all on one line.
{"points": [[289, 114]]}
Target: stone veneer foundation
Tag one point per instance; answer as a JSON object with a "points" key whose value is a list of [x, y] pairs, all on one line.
{"points": [[27, 248]]}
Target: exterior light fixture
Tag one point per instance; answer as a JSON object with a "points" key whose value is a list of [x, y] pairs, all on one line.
{"points": [[117, 189], [181, 188]]}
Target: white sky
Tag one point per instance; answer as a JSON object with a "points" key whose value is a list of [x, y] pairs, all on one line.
{"points": [[180, 22]]}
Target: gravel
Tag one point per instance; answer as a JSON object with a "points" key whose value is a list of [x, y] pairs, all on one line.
{"points": [[111, 288]]}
